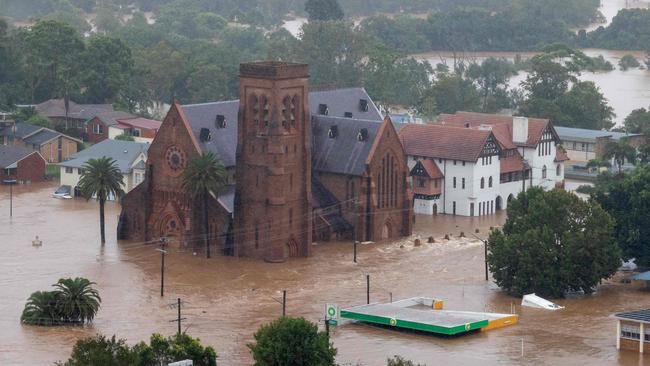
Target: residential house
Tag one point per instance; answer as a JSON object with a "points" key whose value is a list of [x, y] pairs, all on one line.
{"points": [[54, 146], [97, 127], [129, 156], [141, 129], [303, 166], [76, 115], [473, 164], [583, 145], [21, 164]]}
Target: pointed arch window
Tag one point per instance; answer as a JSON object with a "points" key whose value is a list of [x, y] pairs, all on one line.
{"points": [[482, 183]]}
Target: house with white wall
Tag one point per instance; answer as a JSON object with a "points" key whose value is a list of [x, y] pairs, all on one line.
{"points": [[130, 157], [484, 161]]}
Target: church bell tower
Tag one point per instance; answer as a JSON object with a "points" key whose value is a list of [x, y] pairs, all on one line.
{"points": [[273, 174]]}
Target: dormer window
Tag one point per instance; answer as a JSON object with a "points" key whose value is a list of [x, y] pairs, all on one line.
{"points": [[362, 135], [363, 105], [333, 132], [220, 121], [205, 135], [322, 109], [347, 114]]}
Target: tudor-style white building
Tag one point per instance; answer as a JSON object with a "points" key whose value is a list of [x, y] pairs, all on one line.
{"points": [[473, 164]]}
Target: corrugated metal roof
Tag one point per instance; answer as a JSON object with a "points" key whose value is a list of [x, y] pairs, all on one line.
{"points": [[584, 134], [642, 316], [123, 152], [645, 276]]}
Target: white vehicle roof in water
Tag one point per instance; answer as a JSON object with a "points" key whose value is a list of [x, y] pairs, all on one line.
{"points": [[534, 301]]}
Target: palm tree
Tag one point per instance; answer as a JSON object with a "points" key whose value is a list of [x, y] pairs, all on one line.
{"points": [[204, 174], [101, 178], [76, 299], [620, 151], [598, 163], [40, 309]]}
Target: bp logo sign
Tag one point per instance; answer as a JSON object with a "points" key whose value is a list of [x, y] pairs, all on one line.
{"points": [[393, 322], [467, 326], [332, 311]]}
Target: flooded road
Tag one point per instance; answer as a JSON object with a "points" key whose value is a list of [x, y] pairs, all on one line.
{"points": [[227, 299]]}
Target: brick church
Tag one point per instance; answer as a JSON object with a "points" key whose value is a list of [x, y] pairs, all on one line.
{"points": [[303, 167]]}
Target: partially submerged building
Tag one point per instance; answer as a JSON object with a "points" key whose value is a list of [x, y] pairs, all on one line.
{"points": [[302, 165], [633, 330], [54, 146], [21, 164]]}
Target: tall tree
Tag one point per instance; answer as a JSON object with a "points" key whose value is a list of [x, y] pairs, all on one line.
{"points": [[621, 151], [53, 52], [452, 93], [108, 65], [627, 199], [101, 178], [492, 77], [551, 243], [584, 106], [322, 10], [638, 121], [204, 175]]}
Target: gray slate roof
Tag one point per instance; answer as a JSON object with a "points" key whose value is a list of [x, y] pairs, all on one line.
{"points": [[124, 153], [11, 154], [41, 137], [56, 108], [344, 154], [110, 118], [224, 140], [21, 130], [582, 134], [227, 198]]}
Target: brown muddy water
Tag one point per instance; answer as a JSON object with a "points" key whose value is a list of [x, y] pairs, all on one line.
{"points": [[227, 299]]}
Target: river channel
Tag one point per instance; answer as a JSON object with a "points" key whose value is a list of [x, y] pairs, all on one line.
{"points": [[227, 298]]}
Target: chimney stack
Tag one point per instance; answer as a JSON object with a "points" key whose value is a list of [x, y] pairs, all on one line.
{"points": [[519, 130]]}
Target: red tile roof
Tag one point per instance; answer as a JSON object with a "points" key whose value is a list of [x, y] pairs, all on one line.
{"points": [[536, 126], [431, 168], [560, 155], [446, 142], [140, 122], [513, 163]]}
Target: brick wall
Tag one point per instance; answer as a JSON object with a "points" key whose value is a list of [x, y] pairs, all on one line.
{"points": [[30, 168], [90, 130]]}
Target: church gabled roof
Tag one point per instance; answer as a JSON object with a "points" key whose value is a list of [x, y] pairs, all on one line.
{"points": [[223, 137], [342, 145]]}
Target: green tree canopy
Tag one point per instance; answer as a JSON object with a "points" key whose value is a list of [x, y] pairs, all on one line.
{"points": [[99, 350], [621, 151], [108, 65], [323, 10], [551, 243], [638, 121], [451, 93], [627, 199], [292, 342], [628, 61]]}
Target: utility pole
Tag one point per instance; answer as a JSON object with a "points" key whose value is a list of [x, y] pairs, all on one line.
{"points": [[356, 229], [284, 303], [327, 327], [485, 254], [367, 289], [11, 183], [162, 251], [178, 319]]}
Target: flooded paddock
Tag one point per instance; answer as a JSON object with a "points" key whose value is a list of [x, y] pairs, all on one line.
{"points": [[227, 298]]}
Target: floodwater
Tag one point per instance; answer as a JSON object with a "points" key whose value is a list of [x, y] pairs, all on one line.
{"points": [[227, 299], [624, 90]]}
